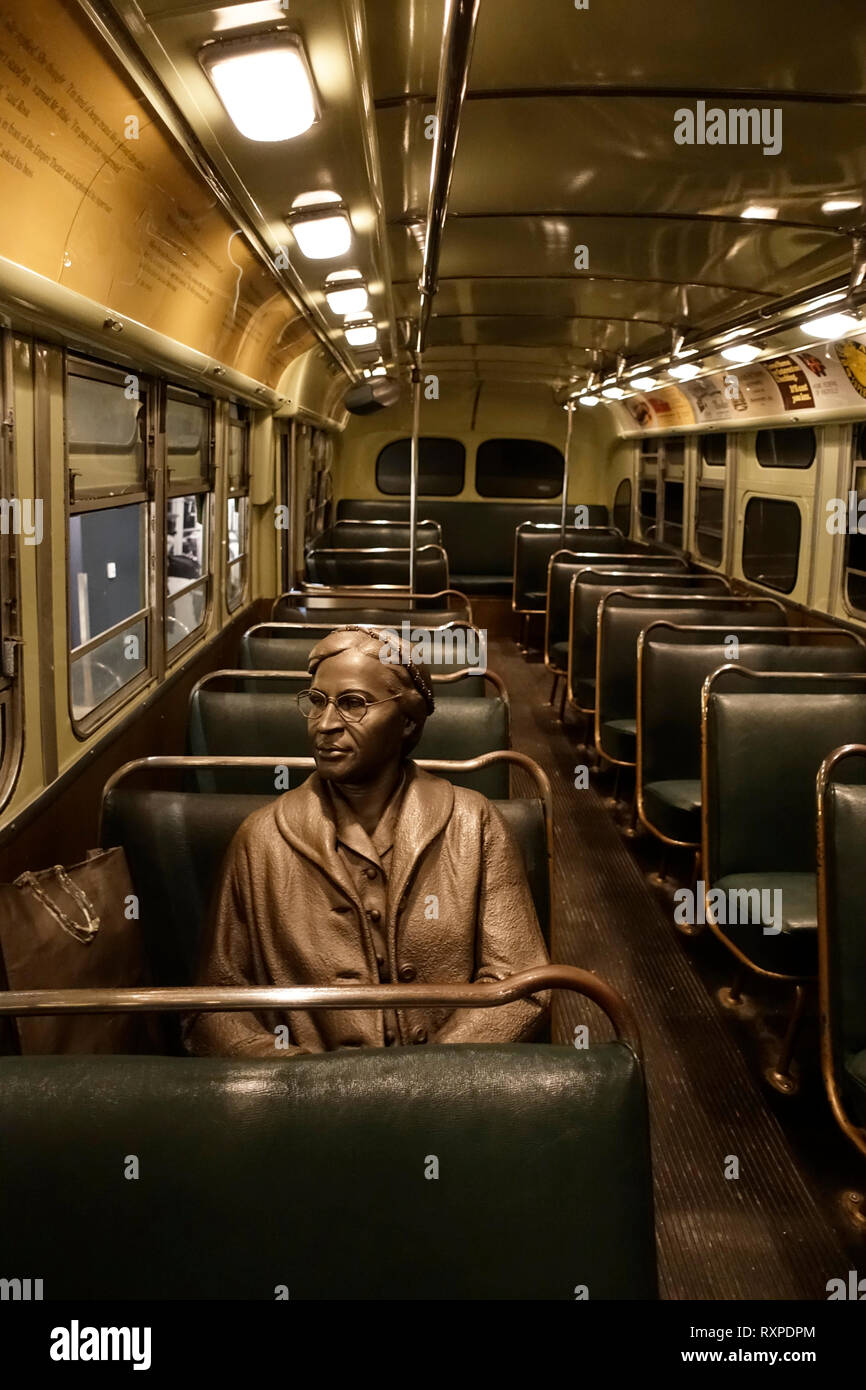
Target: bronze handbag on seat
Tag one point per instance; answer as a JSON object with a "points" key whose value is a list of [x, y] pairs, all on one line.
{"points": [[68, 929]]}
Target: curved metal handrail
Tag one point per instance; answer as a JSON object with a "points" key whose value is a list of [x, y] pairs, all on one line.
{"points": [[209, 999]]}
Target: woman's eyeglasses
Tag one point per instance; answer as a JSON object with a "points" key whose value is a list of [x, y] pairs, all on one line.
{"points": [[352, 707]]}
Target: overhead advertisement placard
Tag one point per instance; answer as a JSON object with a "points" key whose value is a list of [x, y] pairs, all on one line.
{"points": [[831, 376]]}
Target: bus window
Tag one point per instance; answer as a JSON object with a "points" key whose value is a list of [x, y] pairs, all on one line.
{"points": [[771, 543], [237, 506], [647, 505], [441, 467], [855, 547], [108, 539], [786, 448], [622, 507], [518, 468], [710, 498], [188, 431], [10, 681]]}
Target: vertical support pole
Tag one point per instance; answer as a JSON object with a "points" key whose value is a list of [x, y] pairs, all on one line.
{"points": [[413, 483], [565, 467]]}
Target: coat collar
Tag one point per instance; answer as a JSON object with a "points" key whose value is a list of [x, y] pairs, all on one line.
{"points": [[305, 819]]}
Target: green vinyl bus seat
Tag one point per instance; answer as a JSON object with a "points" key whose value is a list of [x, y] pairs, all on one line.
{"points": [[621, 618], [535, 542], [673, 663], [378, 565]]}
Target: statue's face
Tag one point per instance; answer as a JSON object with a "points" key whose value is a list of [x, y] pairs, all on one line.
{"points": [[357, 752]]}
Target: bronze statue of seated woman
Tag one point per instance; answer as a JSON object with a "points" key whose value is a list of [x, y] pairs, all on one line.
{"points": [[371, 871]]}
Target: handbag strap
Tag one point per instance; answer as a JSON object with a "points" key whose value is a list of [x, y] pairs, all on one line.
{"points": [[83, 934]]}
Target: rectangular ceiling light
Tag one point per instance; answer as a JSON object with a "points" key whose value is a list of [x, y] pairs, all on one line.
{"points": [[830, 326], [614, 393], [346, 293], [361, 335], [264, 83], [589, 400], [741, 352], [320, 225], [644, 383]]}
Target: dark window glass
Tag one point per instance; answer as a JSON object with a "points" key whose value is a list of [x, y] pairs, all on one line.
{"points": [[673, 516], [441, 467], [647, 508], [675, 449], [771, 543], [785, 448], [709, 523], [855, 547], [622, 507], [518, 468], [714, 449]]}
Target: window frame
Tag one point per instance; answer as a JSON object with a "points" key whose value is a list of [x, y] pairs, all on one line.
{"points": [[649, 448], [407, 439], [780, 501], [242, 422], [715, 480], [108, 499], [787, 429], [623, 482], [182, 488], [855, 465], [549, 497], [11, 680]]}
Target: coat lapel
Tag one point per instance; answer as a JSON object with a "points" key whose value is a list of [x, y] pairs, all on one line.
{"points": [[305, 820], [427, 805]]}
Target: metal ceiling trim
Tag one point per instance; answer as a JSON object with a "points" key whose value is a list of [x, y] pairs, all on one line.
{"points": [[109, 23], [620, 90], [457, 43]]}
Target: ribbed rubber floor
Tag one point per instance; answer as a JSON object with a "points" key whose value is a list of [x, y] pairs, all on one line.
{"points": [[765, 1234]]}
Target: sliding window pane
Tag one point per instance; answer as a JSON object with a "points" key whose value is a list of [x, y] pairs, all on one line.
{"points": [[107, 570], [104, 441], [187, 431], [98, 674]]}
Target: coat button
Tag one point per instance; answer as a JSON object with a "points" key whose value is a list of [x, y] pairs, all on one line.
{"points": [[374, 914], [389, 1038], [380, 961], [407, 973], [370, 872], [419, 1035]]}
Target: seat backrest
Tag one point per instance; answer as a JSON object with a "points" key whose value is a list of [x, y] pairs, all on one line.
{"points": [[478, 536], [589, 586], [379, 565], [308, 1177], [261, 651], [286, 611], [564, 564], [350, 534], [468, 685], [766, 737], [231, 723], [534, 545], [672, 673], [623, 616], [842, 913], [175, 843]]}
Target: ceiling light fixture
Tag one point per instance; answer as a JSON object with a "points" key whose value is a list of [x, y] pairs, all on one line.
{"points": [[589, 400], [741, 352], [320, 224], [684, 372], [264, 83], [830, 326], [841, 204], [759, 213], [644, 383], [346, 293], [360, 334], [614, 393]]}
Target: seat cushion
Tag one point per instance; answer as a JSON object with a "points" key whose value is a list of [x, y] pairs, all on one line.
{"points": [[559, 656], [483, 583], [674, 808], [619, 739], [794, 949], [584, 693]]}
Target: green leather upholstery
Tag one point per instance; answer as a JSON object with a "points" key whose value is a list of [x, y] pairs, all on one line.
{"points": [[621, 619], [533, 546], [590, 586], [175, 842], [267, 649], [309, 1175], [226, 723], [478, 536], [562, 568], [468, 686], [766, 738], [845, 928], [362, 567], [675, 662], [350, 534]]}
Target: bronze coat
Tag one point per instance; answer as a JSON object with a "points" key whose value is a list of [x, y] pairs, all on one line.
{"points": [[288, 913]]}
